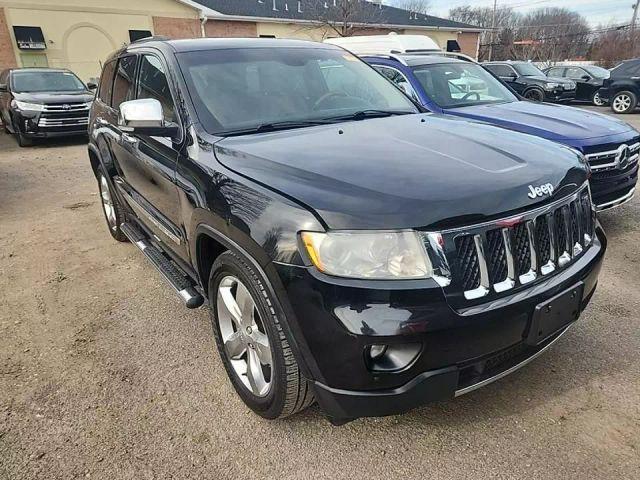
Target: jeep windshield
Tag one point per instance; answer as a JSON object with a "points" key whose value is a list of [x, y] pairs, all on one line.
{"points": [[40, 82], [253, 90], [452, 85]]}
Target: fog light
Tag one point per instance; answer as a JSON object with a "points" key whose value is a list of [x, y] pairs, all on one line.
{"points": [[391, 358], [376, 351]]}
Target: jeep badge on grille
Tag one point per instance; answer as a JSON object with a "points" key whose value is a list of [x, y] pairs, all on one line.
{"points": [[540, 191]]}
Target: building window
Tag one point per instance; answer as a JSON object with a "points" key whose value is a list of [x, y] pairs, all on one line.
{"points": [[29, 38], [135, 35], [453, 46]]}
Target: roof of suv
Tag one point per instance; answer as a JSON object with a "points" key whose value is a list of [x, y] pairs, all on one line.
{"points": [[198, 44]]}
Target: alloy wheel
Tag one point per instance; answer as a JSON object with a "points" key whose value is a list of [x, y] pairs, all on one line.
{"points": [[534, 95], [107, 203], [245, 340], [597, 101], [621, 103]]}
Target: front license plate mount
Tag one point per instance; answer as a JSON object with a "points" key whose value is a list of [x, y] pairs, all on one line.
{"points": [[555, 313]]}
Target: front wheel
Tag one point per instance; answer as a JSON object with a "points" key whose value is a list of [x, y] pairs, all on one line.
{"points": [[624, 102], [597, 101], [23, 141], [254, 348], [535, 95]]}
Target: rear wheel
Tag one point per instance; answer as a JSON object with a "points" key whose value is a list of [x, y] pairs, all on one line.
{"points": [[255, 350], [111, 208], [535, 95], [624, 102]]}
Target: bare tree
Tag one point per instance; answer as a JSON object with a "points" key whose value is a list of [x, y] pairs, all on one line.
{"points": [[506, 20], [344, 17], [610, 45], [417, 6]]}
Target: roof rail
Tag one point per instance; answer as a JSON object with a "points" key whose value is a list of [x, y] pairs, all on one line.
{"points": [[157, 38], [390, 56]]}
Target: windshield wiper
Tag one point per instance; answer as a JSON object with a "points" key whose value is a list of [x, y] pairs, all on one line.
{"points": [[274, 126], [363, 114]]}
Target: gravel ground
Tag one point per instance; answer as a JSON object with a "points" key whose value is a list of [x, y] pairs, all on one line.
{"points": [[104, 374]]}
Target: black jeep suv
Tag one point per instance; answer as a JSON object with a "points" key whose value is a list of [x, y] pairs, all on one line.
{"points": [[44, 103], [622, 88], [351, 248], [530, 82]]}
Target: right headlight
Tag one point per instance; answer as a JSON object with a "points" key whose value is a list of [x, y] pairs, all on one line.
{"points": [[374, 255], [551, 86], [31, 107]]}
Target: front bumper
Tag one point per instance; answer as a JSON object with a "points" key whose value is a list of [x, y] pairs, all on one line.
{"points": [[560, 95], [34, 125], [461, 349]]}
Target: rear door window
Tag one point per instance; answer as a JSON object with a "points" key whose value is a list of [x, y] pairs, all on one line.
{"points": [[501, 70], [124, 83], [106, 83]]}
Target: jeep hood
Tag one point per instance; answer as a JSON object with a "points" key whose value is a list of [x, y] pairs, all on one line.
{"points": [[403, 172], [554, 122]]}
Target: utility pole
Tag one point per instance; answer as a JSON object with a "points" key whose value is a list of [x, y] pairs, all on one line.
{"points": [[633, 28], [493, 26]]}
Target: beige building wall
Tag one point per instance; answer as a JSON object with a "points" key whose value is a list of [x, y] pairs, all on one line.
{"points": [[80, 34]]}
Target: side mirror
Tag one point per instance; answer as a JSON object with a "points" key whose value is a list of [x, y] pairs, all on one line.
{"points": [[586, 78], [92, 86], [145, 117], [3, 87]]}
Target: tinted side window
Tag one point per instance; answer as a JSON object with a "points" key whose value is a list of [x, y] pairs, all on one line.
{"points": [[153, 84], [556, 72], [501, 70], [575, 73], [123, 86], [106, 82]]}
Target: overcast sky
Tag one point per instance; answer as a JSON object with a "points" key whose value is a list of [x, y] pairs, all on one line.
{"points": [[596, 11]]}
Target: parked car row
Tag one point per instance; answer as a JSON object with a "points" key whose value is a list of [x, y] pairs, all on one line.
{"points": [[369, 238]]}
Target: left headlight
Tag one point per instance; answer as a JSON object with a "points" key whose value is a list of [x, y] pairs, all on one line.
{"points": [[31, 107], [369, 255], [551, 86]]}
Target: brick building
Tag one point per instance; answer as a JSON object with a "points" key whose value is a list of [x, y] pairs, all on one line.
{"points": [[79, 34]]}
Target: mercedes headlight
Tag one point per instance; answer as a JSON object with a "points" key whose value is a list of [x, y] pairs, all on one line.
{"points": [[371, 255], [31, 107]]}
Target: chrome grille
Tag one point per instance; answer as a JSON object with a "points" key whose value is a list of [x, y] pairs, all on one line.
{"points": [[620, 157], [64, 115], [498, 256]]}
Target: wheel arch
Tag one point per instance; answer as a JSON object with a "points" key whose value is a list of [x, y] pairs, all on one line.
{"points": [[210, 241]]}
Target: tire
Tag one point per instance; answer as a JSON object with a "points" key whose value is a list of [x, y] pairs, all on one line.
{"points": [[597, 101], [624, 102], [21, 139], [278, 389], [534, 95], [111, 208]]}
